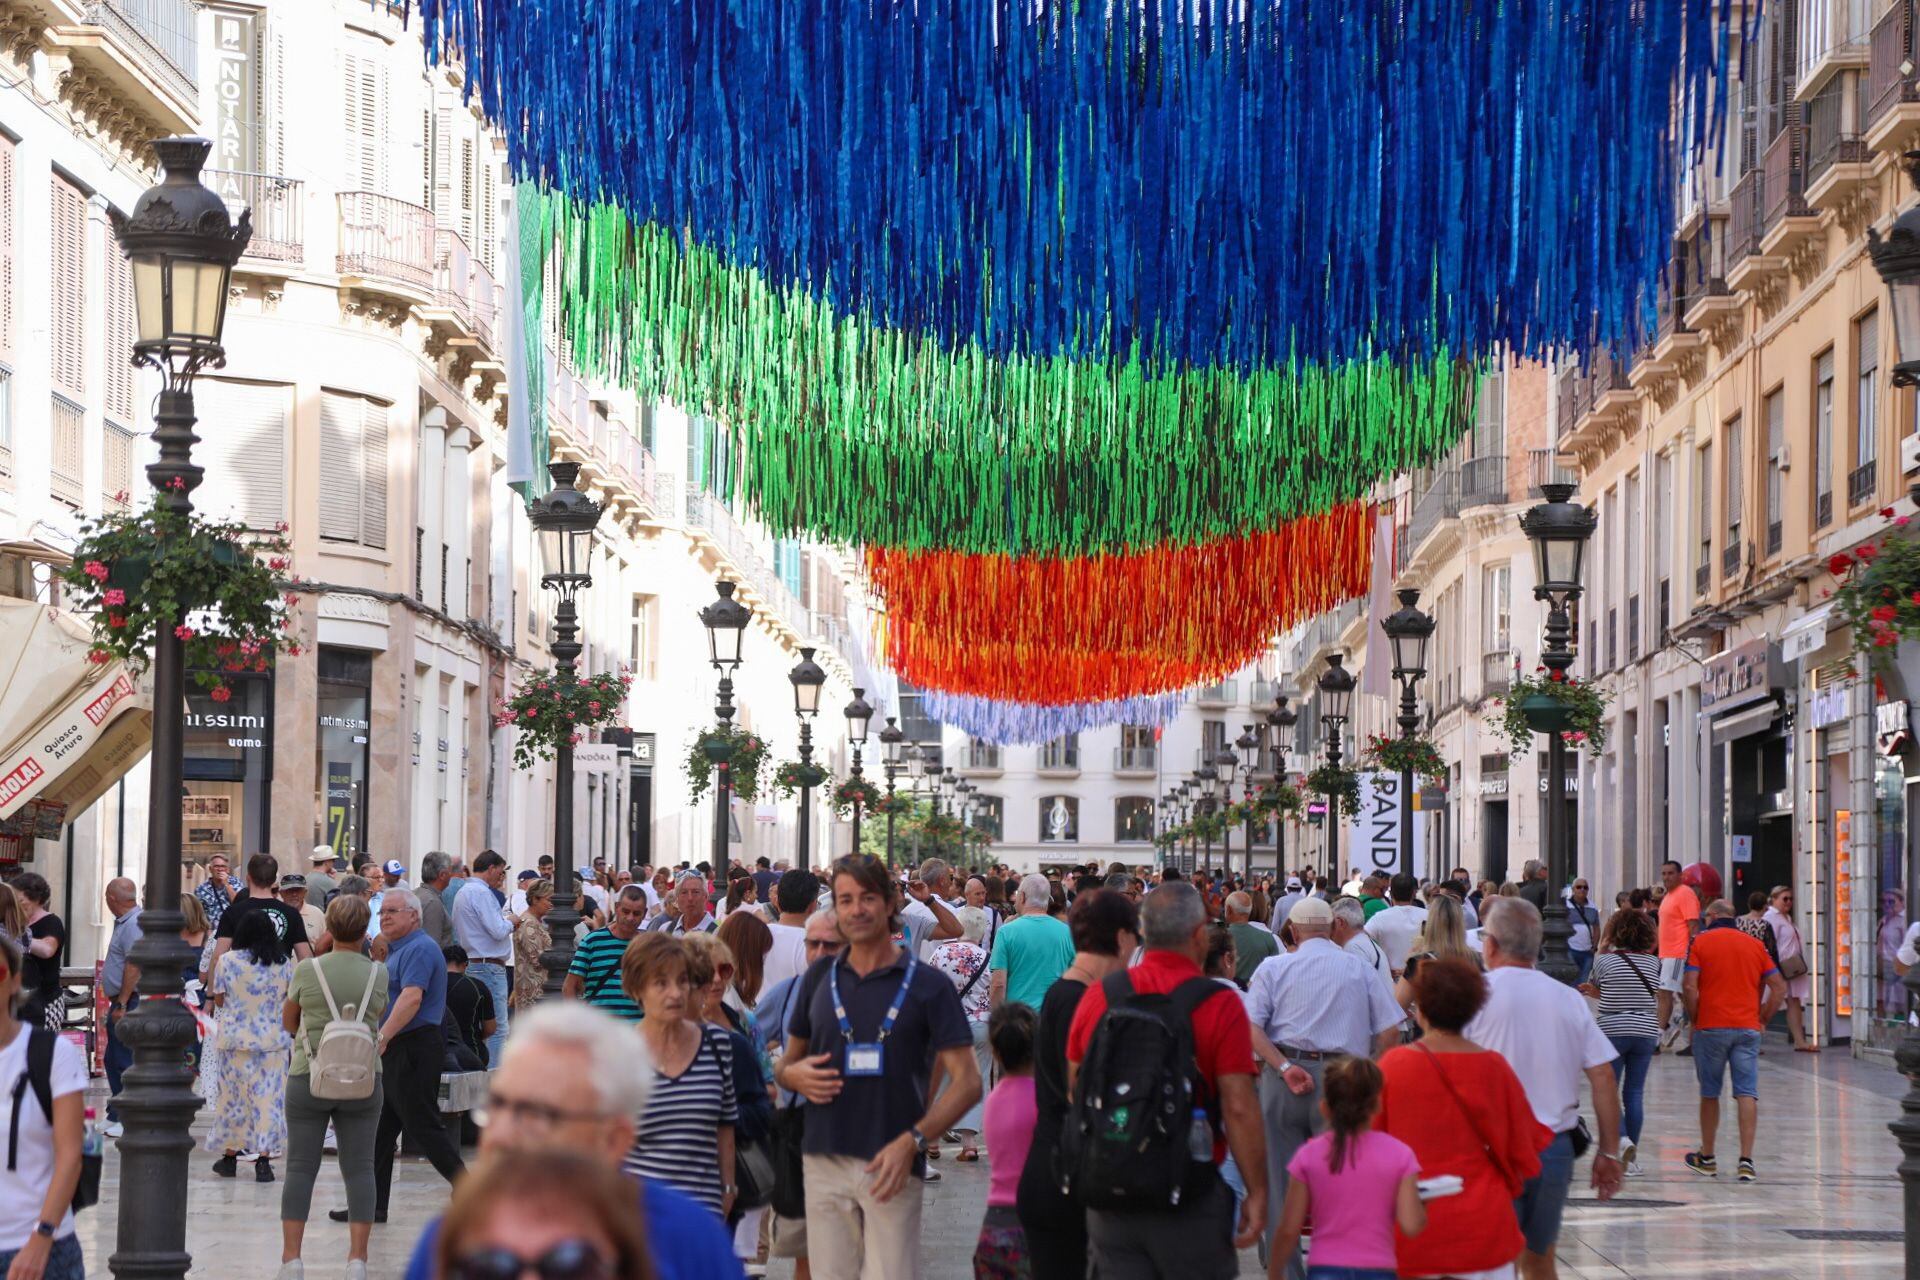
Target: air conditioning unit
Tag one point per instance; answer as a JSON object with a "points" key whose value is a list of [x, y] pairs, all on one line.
{"points": [[1909, 454], [1783, 457]]}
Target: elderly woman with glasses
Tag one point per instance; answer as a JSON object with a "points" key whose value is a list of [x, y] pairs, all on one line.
{"points": [[1793, 960], [685, 1135]]}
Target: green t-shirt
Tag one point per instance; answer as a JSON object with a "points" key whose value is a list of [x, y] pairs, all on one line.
{"points": [[1251, 945], [1373, 906], [1034, 950], [346, 979], [596, 961]]}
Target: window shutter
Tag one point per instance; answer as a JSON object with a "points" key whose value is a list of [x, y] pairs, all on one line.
{"points": [[269, 99], [373, 469], [69, 289], [1869, 344], [340, 428], [6, 250], [440, 161], [365, 102], [489, 211], [246, 458], [118, 352], [469, 183]]}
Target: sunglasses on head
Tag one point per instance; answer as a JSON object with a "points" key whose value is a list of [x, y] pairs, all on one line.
{"points": [[568, 1260]]}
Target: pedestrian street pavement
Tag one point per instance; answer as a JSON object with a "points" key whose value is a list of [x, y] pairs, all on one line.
{"points": [[1827, 1206]]}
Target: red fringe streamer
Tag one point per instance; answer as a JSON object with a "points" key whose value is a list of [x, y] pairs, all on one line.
{"points": [[1087, 629]]}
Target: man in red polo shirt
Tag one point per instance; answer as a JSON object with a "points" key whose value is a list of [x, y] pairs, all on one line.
{"points": [[1197, 1240]]}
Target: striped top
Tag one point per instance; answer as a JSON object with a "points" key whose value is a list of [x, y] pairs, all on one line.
{"points": [[596, 961], [678, 1138], [1627, 1005]]}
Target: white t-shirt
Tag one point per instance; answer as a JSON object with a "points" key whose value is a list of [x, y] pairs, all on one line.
{"points": [[22, 1190], [1548, 1036], [1395, 929], [918, 920], [1373, 953], [788, 958]]}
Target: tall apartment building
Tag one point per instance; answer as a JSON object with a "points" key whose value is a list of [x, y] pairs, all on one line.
{"points": [[364, 404]]}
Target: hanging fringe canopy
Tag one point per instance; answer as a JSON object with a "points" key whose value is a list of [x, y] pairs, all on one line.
{"points": [[1010, 723], [1057, 630], [1201, 604], [854, 434], [1212, 183]]}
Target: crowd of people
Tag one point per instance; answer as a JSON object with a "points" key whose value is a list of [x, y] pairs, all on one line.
{"points": [[1158, 1071]]}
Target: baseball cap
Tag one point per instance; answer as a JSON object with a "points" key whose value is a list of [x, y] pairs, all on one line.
{"points": [[1293, 884], [585, 873], [1310, 911], [293, 880], [321, 853], [529, 874], [395, 867]]}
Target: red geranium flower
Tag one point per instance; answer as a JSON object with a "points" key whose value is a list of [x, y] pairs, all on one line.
{"points": [[1839, 563], [220, 693], [1884, 613]]}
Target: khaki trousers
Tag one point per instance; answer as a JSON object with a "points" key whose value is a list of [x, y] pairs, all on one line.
{"points": [[852, 1236]]}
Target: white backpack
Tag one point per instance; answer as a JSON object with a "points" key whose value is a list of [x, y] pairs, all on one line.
{"points": [[343, 1066]]}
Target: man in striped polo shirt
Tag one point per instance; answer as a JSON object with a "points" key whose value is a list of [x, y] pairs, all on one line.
{"points": [[595, 973]]}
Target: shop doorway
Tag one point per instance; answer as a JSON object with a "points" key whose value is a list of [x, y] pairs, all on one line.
{"points": [[1493, 841]]}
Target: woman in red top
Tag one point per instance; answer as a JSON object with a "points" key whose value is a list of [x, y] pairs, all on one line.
{"points": [[1464, 1113]]}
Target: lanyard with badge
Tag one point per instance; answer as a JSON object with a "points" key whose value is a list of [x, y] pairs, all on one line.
{"points": [[869, 1058]]}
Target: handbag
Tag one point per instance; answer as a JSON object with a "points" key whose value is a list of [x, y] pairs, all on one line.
{"points": [[1493, 1157], [787, 1186], [1792, 967]]}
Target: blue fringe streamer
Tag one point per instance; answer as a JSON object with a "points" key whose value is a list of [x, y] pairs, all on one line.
{"points": [[1229, 182], [1010, 723]]}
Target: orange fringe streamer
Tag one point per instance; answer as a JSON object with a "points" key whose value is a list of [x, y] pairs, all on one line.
{"points": [[1086, 629]]}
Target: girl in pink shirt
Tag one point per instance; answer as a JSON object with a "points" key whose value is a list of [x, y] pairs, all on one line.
{"points": [[1010, 1117], [1356, 1184]]}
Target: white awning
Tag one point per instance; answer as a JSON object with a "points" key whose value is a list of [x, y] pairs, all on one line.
{"points": [[69, 728], [1805, 634]]}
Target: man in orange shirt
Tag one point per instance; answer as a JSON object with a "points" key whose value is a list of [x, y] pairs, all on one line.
{"points": [[1679, 925], [1732, 989]]}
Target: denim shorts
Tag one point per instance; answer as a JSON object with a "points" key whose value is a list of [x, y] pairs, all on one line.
{"points": [[1717, 1048], [1544, 1198], [64, 1261]]}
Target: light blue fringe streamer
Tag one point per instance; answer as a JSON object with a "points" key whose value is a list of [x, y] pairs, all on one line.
{"points": [[1011, 723]]}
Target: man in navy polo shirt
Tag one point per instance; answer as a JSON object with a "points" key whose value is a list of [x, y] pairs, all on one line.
{"points": [[865, 1033]]}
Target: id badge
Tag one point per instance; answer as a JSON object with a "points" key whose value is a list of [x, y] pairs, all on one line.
{"points": [[865, 1059]]}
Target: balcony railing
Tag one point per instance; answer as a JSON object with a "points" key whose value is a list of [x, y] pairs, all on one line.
{"points": [[1823, 509], [980, 755], [1440, 503], [1773, 538], [1730, 556], [278, 205], [465, 287], [1890, 64], [1861, 481], [1745, 221], [1828, 143], [162, 36], [69, 423], [1543, 468], [382, 238], [1221, 693], [1264, 692], [1703, 575], [1060, 755], [1785, 166], [1483, 480], [1496, 671], [1613, 639], [1136, 759], [708, 513]]}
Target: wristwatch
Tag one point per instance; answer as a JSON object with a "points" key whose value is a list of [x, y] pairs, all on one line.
{"points": [[919, 1139], [729, 1189], [45, 1229]]}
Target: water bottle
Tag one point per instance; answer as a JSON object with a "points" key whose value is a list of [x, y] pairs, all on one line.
{"points": [[90, 1141], [1200, 1137]]}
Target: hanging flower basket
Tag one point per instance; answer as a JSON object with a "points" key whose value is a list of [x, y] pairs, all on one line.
{"points": [[1276, 797], [793, 775], [746, 756], [897, 804], [1337, 783], [857, 791], [215, 585], [1396, 754], [548, 712], [1879, 592], [1554, 702]]}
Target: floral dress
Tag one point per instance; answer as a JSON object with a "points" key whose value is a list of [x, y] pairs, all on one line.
{"points": [[963, 962], [248, 1075], [530, 941]]}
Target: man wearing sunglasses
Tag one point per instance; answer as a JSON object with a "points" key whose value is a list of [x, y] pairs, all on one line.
{"points": [[822, 939], [609, 1083]]}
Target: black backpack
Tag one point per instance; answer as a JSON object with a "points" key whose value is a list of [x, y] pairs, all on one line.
{"points": [[1126, 1141], [39, 1078]]}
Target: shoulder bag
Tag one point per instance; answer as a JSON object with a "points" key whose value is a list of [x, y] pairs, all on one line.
{"points": [[1493, 1157]]}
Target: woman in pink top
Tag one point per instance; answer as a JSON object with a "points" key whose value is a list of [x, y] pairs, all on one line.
{"points": [[1011, 1114], [1355, 1183]]}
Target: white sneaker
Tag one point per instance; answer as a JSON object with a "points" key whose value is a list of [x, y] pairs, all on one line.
{"points": [[356, 1269], [295, 1270], [114, 1129], [329, 1144]]}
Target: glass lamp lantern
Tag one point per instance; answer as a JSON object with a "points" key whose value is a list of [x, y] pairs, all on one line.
{"points": [[892, 742], [1896, 256], [859, 716], [726, 623], [808, 679], [1408, 630], [1558, 530], [1336, 690], [564, 518]]}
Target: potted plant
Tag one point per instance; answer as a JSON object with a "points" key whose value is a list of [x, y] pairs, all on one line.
{"points": [[1554, 702], [215, 584], [1879, 592], [1418, 754], [1276, 797], [792, 775], [746, 753], [1337, 783], [860, 792], [548, 710]]}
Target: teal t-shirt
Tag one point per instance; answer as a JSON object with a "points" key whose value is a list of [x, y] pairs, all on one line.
{"points": [[1034, 950], [597, 962]]}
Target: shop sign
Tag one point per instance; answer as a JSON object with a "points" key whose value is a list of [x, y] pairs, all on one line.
{"points": [[339, 804], [1493, 785], [1892, 728], [1843, 913], [1804, 635], [1827, 705], [1742, 849], [234, 137], [1736, 677], [597, 757], [643, 749]]}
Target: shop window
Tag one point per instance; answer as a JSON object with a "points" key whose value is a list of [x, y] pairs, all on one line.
{"points": [[227, 772], [1059, 819], [1891, 913], [1133, 819], [343, 708]]}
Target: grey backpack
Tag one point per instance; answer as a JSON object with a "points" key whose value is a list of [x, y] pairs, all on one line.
{"points": [[344, 1064]]}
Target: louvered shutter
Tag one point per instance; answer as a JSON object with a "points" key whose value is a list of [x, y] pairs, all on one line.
{"points": [[341, 425], [118, 350], [6, 251], [244, 451], [69, 290], [440, 196], [373, 471], [489, 212], [364, 90], [269, 99]]}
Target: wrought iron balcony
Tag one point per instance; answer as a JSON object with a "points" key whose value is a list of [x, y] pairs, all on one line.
{"points": [[279, 211], [1496, 671], [386, 241], [1136, 759], [1861, 481], [1483, 480], [160, 34], [1892, 77]]}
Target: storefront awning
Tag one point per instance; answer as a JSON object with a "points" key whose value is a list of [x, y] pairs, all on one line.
{"points": [[69, 728], [1805, 634], [1740, 724]]}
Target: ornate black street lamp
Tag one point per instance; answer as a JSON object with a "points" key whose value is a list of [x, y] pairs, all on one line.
{"points": [[808, 678], [1248, 745], [182, 246], [564, 520], [1559, 529], [1336, 696], [726, 623], [1408, 631], [859, 715], [1224, 761], [892, 742], [1280, 722], [1207, 782]]}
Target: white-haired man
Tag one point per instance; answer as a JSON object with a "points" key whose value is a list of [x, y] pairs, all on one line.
{"points": [[926, 918], [688, 911], [611, 1076], [1031, 950]]}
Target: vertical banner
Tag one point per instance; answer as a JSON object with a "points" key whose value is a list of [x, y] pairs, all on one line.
{"points": [[1373, 834], [1842, 914], [236, 97], [1377, 678]]}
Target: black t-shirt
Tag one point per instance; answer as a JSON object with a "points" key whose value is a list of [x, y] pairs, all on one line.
{"points": [[471, 1006], [285, 923], [1039, 1188], [41, 978]]}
